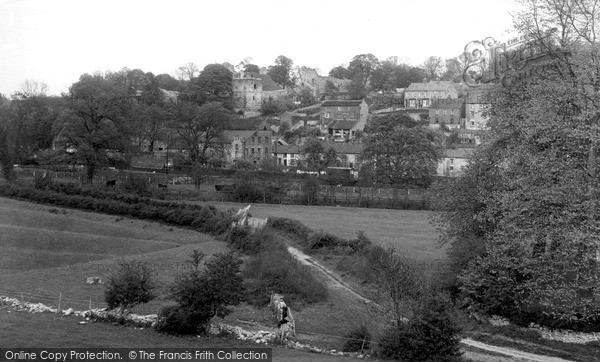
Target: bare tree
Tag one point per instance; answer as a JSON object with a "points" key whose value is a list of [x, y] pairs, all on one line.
{"points": [[187, 72], [434, 67], [33, 88]]}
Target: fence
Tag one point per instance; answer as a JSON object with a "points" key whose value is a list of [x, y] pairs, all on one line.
{"points": [[260, 189]]}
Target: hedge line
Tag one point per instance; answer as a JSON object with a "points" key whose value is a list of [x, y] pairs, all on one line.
{"points": [[206, 219]]}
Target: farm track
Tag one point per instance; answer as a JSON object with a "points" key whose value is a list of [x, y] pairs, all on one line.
{"points": [[334, 281]]}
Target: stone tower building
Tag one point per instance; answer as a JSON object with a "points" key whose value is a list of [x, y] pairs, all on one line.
{"points": [[247, 94]]}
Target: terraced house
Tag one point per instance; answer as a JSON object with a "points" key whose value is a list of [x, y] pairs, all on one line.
{"points": [[421, 95]]}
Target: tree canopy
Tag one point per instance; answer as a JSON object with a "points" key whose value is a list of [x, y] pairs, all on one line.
{"points": [[523, 219], [399, 152]]}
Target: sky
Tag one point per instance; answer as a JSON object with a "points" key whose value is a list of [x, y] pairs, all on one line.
{"points": [[56, 41]]}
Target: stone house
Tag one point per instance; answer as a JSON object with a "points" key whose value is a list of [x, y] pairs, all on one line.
{"points": [[335, 116], [420, 95], [449, 112], [453, 161], [291, 155], [249, 139], [477, 106]]}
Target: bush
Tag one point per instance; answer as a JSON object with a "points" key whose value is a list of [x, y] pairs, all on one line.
{"points": [[274, 269], [322, 240], [42, 181], [431, 335], [133, 284], [203, 295], [359, 340], [247, 192], [290, 226], [178, 320], [137, 185]]}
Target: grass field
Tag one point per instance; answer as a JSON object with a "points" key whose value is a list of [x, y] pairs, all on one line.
{"points": [[46, 250], [409, 231]]}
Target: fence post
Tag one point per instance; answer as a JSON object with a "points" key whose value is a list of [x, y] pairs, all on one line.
{"points": [[363, 345], [90, 306], [59, 300]]}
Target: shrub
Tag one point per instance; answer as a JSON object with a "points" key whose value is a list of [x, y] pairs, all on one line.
{"points": [[202, 295], [359, 339], [431, 335], [322, 240], [178, 320], [42, 181], [131, 285], [274, 269], [290, 226], [137, 185], [247, 192]]}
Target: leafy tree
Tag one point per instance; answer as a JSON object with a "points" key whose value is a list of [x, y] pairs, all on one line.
{"points": [[92, 121], [133, 284], [434, 67], [214, 84], [454, 69], [281, 71], [357, 87], [398, 152], [534, 209], [339, 72], [204, 294], [330, 87], [361, 67], [199, 127], [431, 335], [167, 82], [316, 157], [251, 68]]}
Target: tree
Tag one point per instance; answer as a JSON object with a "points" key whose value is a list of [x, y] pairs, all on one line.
{"points": [[251, 68], [214, 84], [454, 69], [330, 87], [281, 71], [167, 82], [187, 72], [199, 127], [91, 123], [204, 294], [361, 67], [339, 72], [316, 157], [398, 152], [357, 87], [133, 284], [434, 67], [534, 211]]}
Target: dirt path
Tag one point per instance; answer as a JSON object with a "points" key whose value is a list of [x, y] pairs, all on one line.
{"points": [[335, 282]]}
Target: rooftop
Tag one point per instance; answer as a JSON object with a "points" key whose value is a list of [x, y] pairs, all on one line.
{"points": [[342, 103]]}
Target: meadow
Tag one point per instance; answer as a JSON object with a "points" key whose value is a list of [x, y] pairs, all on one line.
{"points": [[47, 250]]}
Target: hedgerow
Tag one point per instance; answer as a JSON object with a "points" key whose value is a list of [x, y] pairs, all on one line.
{"points": [[202, 218]]}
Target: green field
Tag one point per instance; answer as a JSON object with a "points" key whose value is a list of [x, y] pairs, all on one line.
{"points": [[409, 231], [46, 250]]}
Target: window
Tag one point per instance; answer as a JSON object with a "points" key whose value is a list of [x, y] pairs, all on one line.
{"points": [[472, 114], [437, 120], [267, 151], [252, 150], [451, 168], [451, 161], [437, 111], [258, 151], [411, 103], [237, 148], [472, 123], [254, 85]]}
